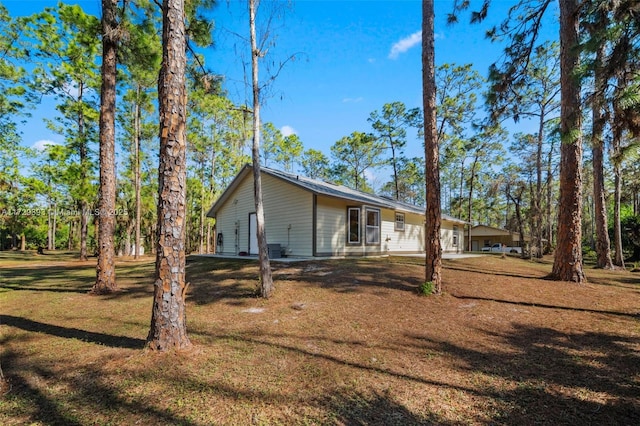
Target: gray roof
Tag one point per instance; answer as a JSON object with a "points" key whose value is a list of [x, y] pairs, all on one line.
{"points": [[328, 189]]}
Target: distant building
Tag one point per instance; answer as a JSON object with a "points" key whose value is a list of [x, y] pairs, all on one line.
{"points": [[486, 236]]}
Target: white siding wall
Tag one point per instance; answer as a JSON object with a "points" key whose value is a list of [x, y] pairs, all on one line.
{"points": [[232, 219], [446, 237], [288, 217], [332, 226], [411, 240], [331, 232]]}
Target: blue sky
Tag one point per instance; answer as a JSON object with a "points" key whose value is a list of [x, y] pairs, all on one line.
{"points": [[351, 57]]}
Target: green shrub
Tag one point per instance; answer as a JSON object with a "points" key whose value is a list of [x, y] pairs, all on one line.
{"points": [[426, 288]]}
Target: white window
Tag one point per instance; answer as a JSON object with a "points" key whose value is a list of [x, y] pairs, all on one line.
{"points": [[353, 224], [399, 222], [373, 226], [455, 236]]}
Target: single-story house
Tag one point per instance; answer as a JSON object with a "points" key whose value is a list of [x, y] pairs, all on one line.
{"points": [[311, 218], [486, 236]]}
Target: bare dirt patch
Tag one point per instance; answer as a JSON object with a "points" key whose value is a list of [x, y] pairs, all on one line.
{"points": [[341, 342]]}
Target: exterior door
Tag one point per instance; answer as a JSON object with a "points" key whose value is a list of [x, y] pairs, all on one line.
{"points": [[253, 234]]}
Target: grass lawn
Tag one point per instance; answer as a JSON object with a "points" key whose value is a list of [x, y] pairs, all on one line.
{"points": [[345, 342]]}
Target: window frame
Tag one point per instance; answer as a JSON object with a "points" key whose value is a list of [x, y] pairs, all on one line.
{"points": [[455, 235], [359, 225], [367, 226], [403, 222]]}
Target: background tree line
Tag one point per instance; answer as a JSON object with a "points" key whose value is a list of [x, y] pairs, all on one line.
{"points": [[488, 175]]}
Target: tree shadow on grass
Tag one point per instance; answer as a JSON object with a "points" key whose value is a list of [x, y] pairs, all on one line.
{"points": [[478, 270], [90, 391], [555, 377], [631, 282], [71, 279], [214, 280], [343, 276], [204, 293], [356, 276], [375, 409], [542, 305], [261, 339], [77, 279], [43, 409], [91, 399], [72, 333]]}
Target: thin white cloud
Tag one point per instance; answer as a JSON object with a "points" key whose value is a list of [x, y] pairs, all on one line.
{"points": [[405, 44], [352, 100], [409, 42], [288, 131], [42, 144]]}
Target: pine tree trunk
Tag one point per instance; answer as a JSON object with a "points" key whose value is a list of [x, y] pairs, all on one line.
{"points": [[211, 243], [617, 227], [537, 201], [433, 248], [70, 239], [54, 227], [603, 244], [136, 165], [395, 169], [106, 267], [169, 318], [202, 215], [127, 239], [470, 198], [266, 280], [567, 265], [548, 216], [49, 228], [84, 229], [82, 150]]}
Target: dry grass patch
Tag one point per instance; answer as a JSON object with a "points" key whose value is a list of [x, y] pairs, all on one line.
{"points": [[342, 342]]}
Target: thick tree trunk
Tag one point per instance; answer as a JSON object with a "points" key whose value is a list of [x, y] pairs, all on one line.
{"points": [[603, 244], [169, 318], [106, 267], [266, 280], [567, 265], [433, 248]]}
